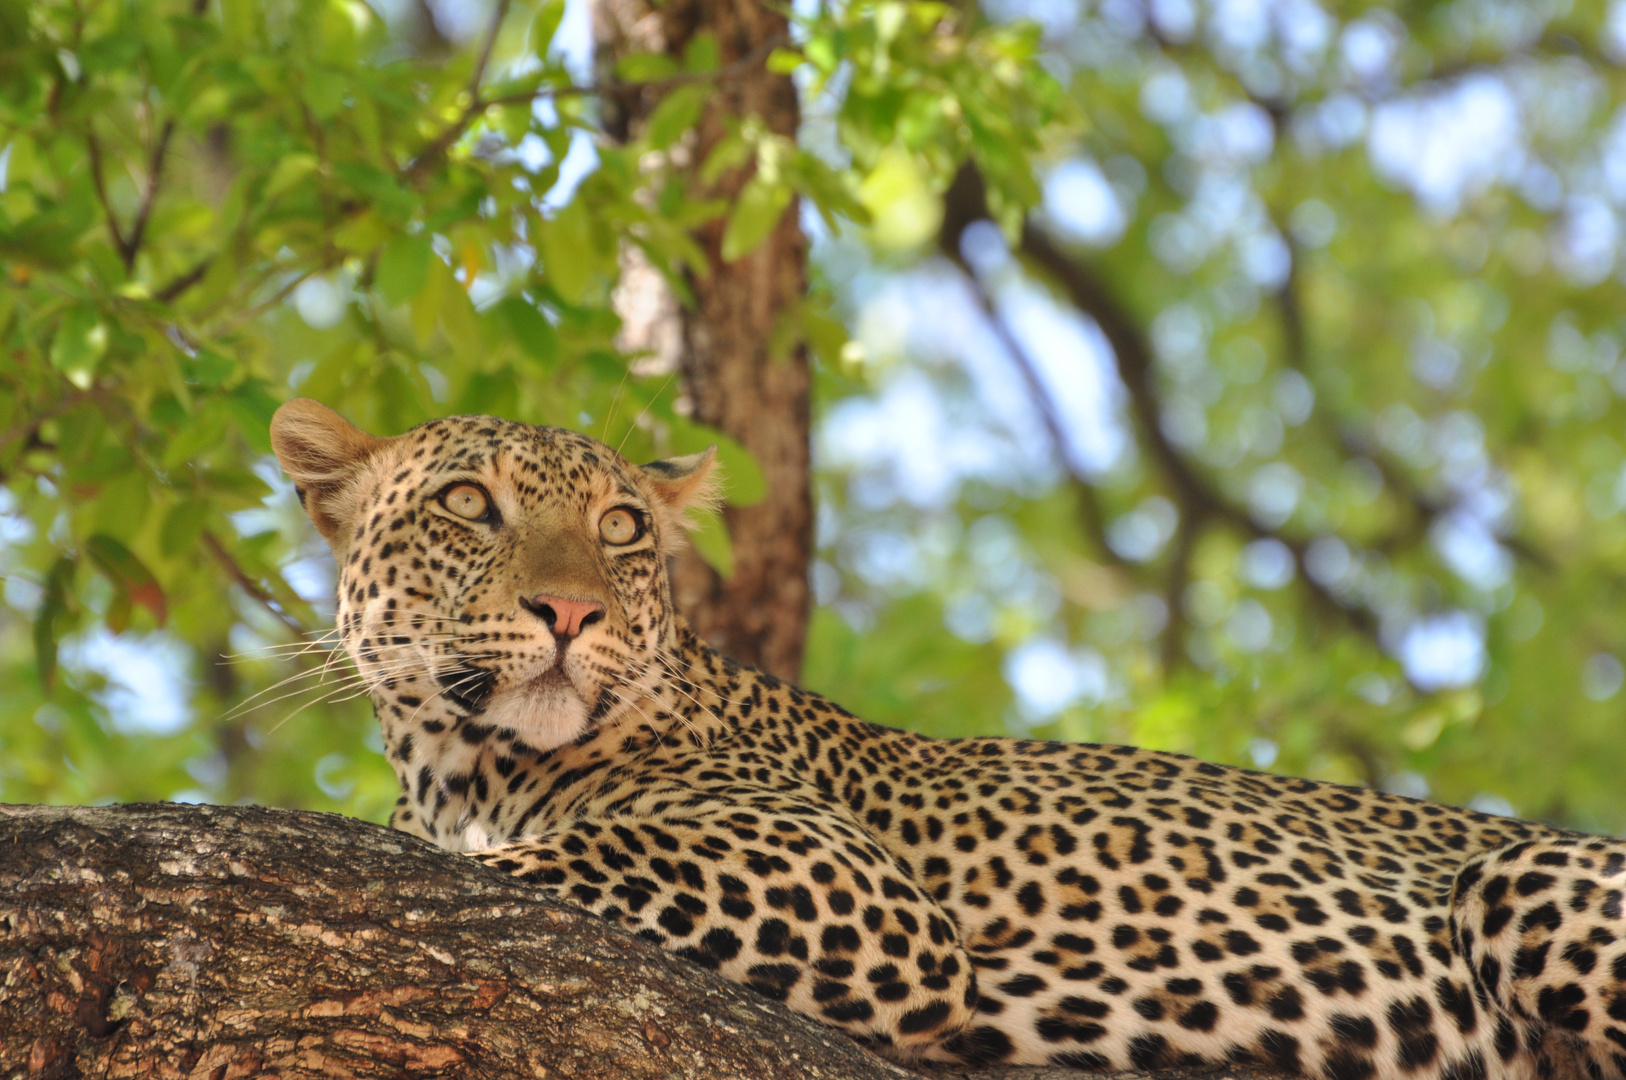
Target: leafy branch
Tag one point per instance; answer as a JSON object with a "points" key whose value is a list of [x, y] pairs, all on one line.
{"points": [[430, 154], [1353, 442], [1198, 500]]}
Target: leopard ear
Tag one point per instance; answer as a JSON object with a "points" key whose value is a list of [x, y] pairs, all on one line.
{"points": [[691, 482], [323, 454]]}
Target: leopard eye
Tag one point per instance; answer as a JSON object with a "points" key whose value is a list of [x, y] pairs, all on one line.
{"points": [[466, 501], [621, 526]]}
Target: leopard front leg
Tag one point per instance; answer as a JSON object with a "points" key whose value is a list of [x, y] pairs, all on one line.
{"points": [[786, 898], [1540, 923]]}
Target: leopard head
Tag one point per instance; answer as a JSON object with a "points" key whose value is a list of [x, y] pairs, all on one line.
{"points": [[495, 578]]}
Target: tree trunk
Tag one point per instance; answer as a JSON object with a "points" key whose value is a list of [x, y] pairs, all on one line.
{"points": [[759, 613], [224, 942]]}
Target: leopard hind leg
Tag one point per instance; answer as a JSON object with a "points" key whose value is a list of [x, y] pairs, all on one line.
{"points": [[1541, 923]]}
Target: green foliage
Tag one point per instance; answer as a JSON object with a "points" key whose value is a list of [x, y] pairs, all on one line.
{"points": [[1410, 401], [209, 205], [1385, 364]]}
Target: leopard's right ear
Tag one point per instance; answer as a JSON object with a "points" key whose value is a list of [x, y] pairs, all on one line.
{"points": [[323, 454]]}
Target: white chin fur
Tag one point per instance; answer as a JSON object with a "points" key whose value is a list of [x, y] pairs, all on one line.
{"points": [[544, 718]]}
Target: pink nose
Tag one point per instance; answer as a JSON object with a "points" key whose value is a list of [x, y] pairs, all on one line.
{"points": [[564, 616]]}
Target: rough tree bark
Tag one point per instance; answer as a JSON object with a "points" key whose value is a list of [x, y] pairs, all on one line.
{"points": [[225, 942], [759, 613]]}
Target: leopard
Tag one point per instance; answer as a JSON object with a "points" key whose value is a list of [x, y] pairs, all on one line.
{"points": [[504, 590]]}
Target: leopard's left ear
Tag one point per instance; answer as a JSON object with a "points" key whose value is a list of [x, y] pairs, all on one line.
{"points": [[681, 484]]}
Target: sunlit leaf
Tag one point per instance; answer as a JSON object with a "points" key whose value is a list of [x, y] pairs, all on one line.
{"points": [[676, 114], [403, 268], [711, 540], [758, 209]]}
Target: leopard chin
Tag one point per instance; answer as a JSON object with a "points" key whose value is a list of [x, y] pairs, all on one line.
{"points": [[545, 712]]}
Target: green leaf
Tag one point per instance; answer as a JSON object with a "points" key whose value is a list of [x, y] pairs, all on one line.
{"points": [[118, 610], [743, 482], [675, 115], [545, 26], [701, 56], [713, 544], [403, 268], [128, 572], [289, 171], [760, 206], [205, 429], [824, 334], [209, 369], [513, 120], [324, 92], [425, 311], [898, 195], [80, 342], [645, 67], [529, 329], [252, 405], [182, 528], [52, 610], [565, 244], [783, 61], [822, 52], [383, 190]]}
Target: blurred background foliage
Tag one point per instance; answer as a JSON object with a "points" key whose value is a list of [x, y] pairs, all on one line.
{"points": [[1235, 377]]}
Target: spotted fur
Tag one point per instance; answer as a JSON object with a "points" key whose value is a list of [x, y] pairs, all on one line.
{"points": [[972, 900]]}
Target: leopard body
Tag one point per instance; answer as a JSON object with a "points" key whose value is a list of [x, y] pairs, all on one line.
{"points": [[974, 900]]}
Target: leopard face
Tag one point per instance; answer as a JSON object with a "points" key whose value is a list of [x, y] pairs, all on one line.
{"points": [[514, 572]]}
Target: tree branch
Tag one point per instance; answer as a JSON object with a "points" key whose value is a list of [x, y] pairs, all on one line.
{"points": [[1354, 442], [966, 202], [128, 245], [242, 941], [1089, 503], [1187, 531]]}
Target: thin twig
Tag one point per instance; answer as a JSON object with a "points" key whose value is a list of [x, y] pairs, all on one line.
{"points": [[155, 171], [170, 293], [243, 318], [249, 585], [1089, 504], [122, 246], [1187, 531], [475, 106], [128, 244]]}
